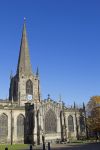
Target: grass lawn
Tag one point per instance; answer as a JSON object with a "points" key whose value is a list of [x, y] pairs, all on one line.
{"points": [[14, 146]]}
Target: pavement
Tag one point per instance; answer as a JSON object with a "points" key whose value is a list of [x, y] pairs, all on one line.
{"points": [[90, 146], [73, 146]]}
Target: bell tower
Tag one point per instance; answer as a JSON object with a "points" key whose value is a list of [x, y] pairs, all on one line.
{"points": [[24, 86]]}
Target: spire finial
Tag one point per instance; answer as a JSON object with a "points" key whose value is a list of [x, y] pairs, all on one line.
{"points": [[24, 20], [74, 105], [60, 98], [83, 106], [37, 72], [11, 75], [48, 96]]}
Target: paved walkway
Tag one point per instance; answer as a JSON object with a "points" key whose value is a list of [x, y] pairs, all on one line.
{"points": [[73, 146], [90, 146]]}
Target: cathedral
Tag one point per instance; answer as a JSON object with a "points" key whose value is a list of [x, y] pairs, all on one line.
{"points": [[26, 118]]}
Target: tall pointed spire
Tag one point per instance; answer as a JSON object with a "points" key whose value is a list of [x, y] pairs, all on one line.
{"points": [[24, 65]]}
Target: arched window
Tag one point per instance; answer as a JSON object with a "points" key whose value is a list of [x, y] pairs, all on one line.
{"points": [[3, 126], [82, 124], [20, 126], [70, 124], [29, 87], [50, 122]]}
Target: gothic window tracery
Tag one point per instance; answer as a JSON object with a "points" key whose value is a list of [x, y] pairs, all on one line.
{"points": [[3, 126], [70, 124], [29, 87], [20, 126], [50, 122]]}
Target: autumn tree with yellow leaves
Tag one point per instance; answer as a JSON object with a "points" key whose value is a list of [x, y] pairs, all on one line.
{"points": [[93, 114]]}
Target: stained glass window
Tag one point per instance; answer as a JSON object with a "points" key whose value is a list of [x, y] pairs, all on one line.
{"points": [[20, 126], [3, 126], [50, 122], [29, 87], [70, 124]]}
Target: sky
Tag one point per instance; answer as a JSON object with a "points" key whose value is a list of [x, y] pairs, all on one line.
{"points": [[64, 42]]}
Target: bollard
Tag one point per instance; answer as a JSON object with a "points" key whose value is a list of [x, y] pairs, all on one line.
{"points": [[6, 148], [48, 145], [30, 147], [43, 146]]}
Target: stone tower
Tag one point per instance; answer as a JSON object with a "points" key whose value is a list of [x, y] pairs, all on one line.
{"points": [[24, 86]]}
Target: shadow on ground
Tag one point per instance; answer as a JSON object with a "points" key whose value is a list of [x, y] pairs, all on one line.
{"points": [[90, 146]]}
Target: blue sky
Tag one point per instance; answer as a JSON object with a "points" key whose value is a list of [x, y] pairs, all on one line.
{"points": [[64, 42]]}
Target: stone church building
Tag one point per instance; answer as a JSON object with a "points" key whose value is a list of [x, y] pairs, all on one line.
{"points": [[26, 118]]}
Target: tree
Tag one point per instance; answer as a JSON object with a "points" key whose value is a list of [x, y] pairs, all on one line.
{"points": [[93, 114]]}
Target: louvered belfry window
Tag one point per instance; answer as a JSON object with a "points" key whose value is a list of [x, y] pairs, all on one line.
{"points": [[29, 87]]}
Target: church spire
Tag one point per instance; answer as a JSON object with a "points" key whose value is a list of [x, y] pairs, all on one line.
{"points": [[24, 65]]}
